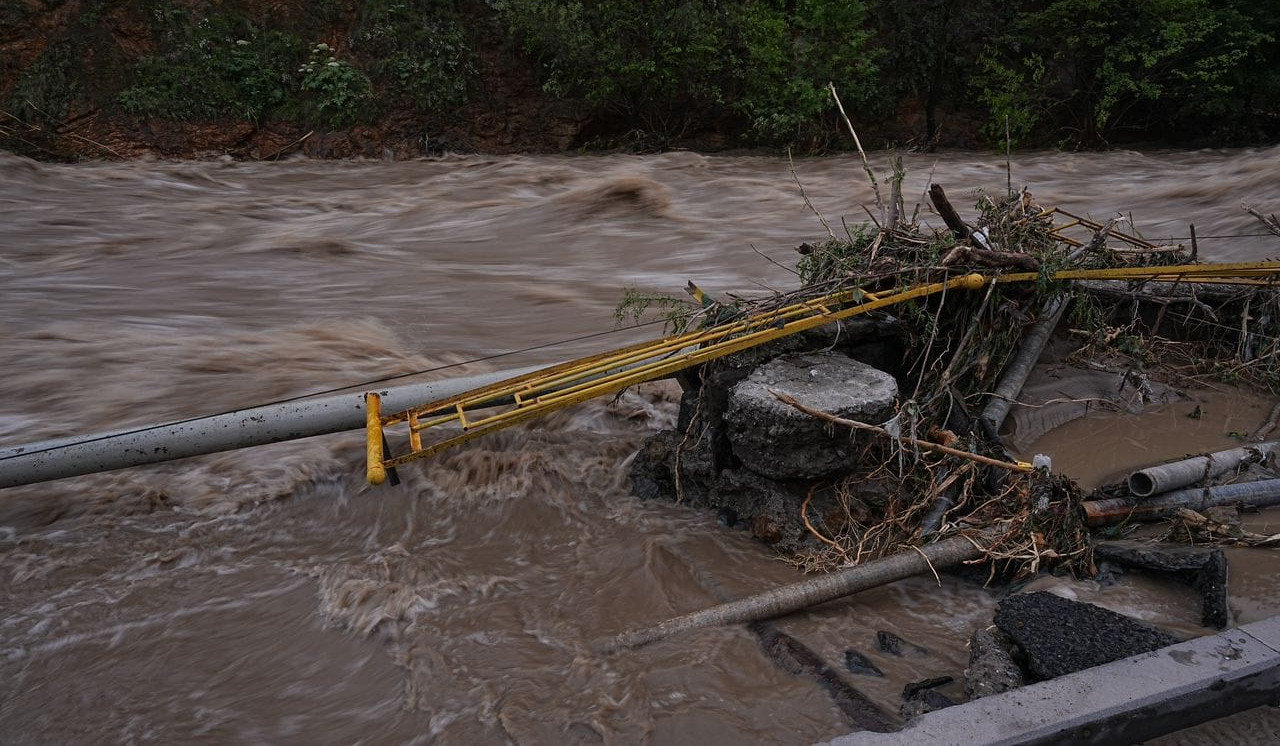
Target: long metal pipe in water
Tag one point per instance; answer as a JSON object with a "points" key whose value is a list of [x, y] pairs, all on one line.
{"points": [[1155, 480], [1260, 494], [272, 423], [1019, 368]]}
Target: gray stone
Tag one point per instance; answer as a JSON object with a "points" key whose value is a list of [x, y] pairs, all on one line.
{"points": [[654, 469], [992, 669], [860, 664], [777, 441], [890, 643], [770, 509], [1059, 636]]}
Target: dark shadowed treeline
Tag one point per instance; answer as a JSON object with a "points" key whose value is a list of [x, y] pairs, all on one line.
{"points": [[557, 74]]}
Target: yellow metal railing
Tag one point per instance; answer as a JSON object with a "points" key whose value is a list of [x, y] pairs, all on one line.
{"points": [[525, 397]]}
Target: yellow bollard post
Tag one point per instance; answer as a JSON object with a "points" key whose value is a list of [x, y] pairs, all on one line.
{"points": [[375, 471]]}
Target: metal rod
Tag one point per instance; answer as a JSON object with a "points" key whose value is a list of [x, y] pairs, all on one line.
{"points": [[1260, 494], [375, 470], [150, 444]]}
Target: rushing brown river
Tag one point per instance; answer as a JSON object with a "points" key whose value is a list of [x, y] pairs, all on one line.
{"points": [[269, 596]]}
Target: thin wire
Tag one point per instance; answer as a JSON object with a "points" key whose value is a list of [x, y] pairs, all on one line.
{"points": [[335, 390], [1198, 237]]}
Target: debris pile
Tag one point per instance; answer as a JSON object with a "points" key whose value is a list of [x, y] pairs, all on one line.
{"points": [[850, 442]]}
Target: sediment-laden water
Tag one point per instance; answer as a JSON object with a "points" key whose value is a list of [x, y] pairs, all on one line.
{"points": [[268, 596]]}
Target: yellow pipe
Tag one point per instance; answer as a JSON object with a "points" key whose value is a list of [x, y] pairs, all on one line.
{"points": [[375, 468], [607, 361], [415, 435], [623, 379], [566, 386]]}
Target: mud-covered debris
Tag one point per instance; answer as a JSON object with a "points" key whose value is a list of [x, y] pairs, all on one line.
{"points": [[892, 644], [859, 664]]}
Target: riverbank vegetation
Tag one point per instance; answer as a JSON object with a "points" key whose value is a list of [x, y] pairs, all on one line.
{"points": [[91, 77]]}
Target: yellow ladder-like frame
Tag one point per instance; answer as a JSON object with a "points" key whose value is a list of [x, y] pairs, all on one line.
{"points": [[534, 394]]}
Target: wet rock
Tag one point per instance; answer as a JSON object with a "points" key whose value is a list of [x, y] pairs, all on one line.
{"points": [[779, 442], [1058, 636], [992, 669], [1203, 568], [860, 664], [920, 697], [769, 508], [654, 469], [651, 475], [888, 642]]}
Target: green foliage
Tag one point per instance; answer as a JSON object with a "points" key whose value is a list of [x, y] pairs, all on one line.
{"points": [[636, 306], [340, 95], [932, 50], [13, 12], [662, 65], [1092, 67], [45, 93], [1013, 94], [837, 259], [789, 52], [658, 64], [417, 51], [220, 66]]}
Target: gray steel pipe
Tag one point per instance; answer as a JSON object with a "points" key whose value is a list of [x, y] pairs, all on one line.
{"points": [[272, 423], [1260, 494], [1155, 480], [1019, 367]]}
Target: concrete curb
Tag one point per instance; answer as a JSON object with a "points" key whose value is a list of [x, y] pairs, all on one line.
{"points": [[1127, 701]]}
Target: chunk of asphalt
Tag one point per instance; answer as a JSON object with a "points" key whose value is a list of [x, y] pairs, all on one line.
{"points": [[1059, 636], [1203, 568]]}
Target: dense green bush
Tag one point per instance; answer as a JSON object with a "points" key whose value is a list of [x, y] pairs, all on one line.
{"points": [[1081, 73], [417, 52], [660, 65], [219, 66], [47, 90], [789, 52], [1093, 68], [663, 65], [340, 95]]}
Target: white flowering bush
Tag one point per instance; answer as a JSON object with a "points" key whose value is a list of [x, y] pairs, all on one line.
{"points": [[341, 95]]}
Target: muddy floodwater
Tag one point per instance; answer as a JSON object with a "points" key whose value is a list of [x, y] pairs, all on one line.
{"points": [[269, 596]]}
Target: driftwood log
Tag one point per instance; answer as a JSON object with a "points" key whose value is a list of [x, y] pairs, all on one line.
{"points": [[976, 257], [938, 197]]}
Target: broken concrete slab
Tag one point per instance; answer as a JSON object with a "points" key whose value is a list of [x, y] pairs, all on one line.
{"points": [[1126, 701], [919, 697], [776, 441], [992, 669], [1058, 636], [1203, 568]]}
